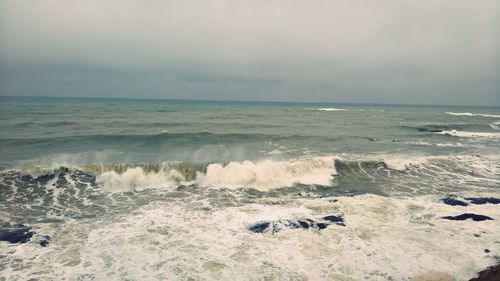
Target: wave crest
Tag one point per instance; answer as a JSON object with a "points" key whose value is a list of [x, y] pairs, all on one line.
{"points": [[473, 114], [330, 109]]}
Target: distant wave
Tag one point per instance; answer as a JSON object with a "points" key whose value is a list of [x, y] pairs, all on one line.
{"points": [[473, 114], [466, 134], [436, 128], [330, 109]]}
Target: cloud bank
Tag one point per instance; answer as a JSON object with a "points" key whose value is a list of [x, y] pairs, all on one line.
{"points": [[430, 52]]}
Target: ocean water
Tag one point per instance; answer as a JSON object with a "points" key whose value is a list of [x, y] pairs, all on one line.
{"points": [[192, 190]]}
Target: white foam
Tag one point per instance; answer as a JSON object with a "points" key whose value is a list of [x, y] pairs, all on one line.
{"points": [[136, 179], [401, 162], [466, 134], [262, 175], [473, 114], [269, 174], [384, 239], [450, 144], [330, 109], [441, 144]]}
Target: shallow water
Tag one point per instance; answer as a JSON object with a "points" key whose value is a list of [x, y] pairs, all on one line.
{"points": [[141, 190]]}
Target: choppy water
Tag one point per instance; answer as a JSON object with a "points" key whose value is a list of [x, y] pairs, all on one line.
{"points": [[145, 190]]}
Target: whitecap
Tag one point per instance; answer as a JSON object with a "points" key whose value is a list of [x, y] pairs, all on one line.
{"points": [[473, 114], [261, 175], [268, 174], [330, 109], [466, 134]]}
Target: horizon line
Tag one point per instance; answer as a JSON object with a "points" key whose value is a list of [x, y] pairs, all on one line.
{"points": [[251, 101]]}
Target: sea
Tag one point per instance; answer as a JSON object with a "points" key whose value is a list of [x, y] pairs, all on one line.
{"points": [[130, 189]]}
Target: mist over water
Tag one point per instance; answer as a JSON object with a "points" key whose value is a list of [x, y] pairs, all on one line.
{"points": [[182, 182]]}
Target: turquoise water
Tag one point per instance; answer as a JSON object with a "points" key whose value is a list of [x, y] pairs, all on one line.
{"points": [[182, 181]]}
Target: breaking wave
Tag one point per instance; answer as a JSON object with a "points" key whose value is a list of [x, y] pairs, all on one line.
{"points": [[473, 114], [330, 109], [265, 175], [466, 134]]}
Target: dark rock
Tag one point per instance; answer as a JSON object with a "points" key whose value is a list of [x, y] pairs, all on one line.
{"points": [[44, 242], [477, 235], [465, 216], [486, 250], [483, 200], [321, 225], [453, 202], [490, 274], [274, 227], [17, 233], [303, 224], [259, 228], [338, 220]]}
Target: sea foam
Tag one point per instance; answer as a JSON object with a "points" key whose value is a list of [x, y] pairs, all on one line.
{"points": [[263, 175], [473, 114], [330, 109], [467, 134]]}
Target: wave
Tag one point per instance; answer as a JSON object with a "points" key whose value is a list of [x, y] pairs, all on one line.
{"points": [[330, 109], [437, 128], [260, 175], [164, 137], [264, 175], [439, 144], [473, 114], [466, 134]]}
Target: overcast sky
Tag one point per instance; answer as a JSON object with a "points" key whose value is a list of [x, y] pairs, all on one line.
{"points": [[372, 51]]}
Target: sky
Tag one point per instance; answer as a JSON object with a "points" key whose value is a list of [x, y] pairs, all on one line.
{"points": [[442, 52]]}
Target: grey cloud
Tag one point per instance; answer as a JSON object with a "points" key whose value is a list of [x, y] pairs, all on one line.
{"points": [[431, 51]]}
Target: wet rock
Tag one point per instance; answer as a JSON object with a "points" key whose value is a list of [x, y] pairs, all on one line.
{"points": [[303, 224], [339, 220], [486, 250], [465, 216], [44, 242], [490, 274], [321, 225], [259, 228], [483, 200], [276, 226], [17, 233], [453, 202]]}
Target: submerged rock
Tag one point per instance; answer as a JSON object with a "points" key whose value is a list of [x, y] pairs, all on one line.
{"points": [[453, 202], [276, 226], [259, 228], [44, 242], [465, 216], [483, 200], [17, 233], [335, 219]]}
